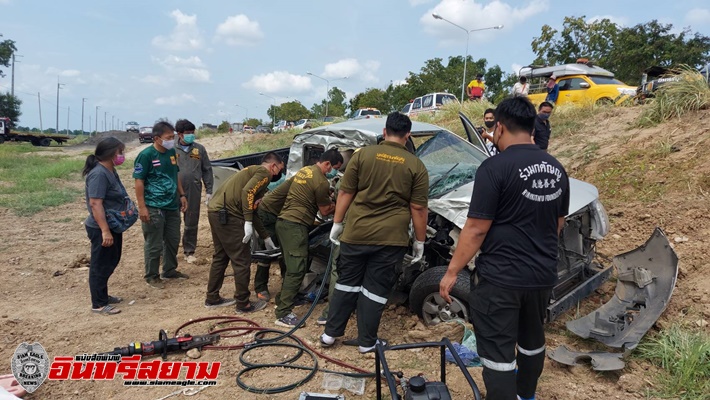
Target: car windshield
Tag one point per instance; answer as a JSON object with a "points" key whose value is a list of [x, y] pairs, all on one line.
{"points": [[370, 112], [451, 162], [301, 121], [605, 80]]}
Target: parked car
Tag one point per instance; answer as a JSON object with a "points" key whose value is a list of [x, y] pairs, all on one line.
{"points": [[361, 113], [132, 126], [452, 163], [145, 134], [263, 129], [303, 124], [580, 83], [655, 77], [429, 103], [248, 129]]}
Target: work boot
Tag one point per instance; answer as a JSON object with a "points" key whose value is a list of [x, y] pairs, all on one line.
{"points": [[176, 275], [155, 283]]}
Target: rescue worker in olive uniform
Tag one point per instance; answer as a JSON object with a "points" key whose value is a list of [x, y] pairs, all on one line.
{"points": [[232, 221], [268, 211], [384, 187], [195, 169], [517, 212], [309, 194]]}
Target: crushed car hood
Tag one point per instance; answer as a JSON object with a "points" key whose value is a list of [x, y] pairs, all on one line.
{"points": [[454, 205]]}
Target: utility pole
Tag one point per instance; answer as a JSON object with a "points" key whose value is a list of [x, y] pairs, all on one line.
{"points": [[68, 108], [59, 86], [12, 87], [83, 100], [89, 125], [39, 102], [105, 128], [112, 128], [96, 120]]}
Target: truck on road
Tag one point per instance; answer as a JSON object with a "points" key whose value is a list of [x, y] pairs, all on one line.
{"points": [[37, 139]]}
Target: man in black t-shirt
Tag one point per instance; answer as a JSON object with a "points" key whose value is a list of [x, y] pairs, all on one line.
{"points": [[519, 202], [542, 131]]}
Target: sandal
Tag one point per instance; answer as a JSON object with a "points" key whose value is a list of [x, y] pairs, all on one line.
{"points": [[106, 310], [114, 299]]}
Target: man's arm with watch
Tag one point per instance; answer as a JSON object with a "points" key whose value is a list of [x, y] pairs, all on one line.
{"points": [[183, 197]]}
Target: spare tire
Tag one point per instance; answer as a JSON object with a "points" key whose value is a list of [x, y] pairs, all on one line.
{"points": [[424, 297]]}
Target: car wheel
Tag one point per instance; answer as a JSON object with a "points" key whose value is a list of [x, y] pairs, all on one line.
{"points": [[605, 101], [45, 142], [424, 297]]}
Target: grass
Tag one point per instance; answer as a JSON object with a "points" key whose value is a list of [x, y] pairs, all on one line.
{"points": [[33, 182], [676, 98], [683, 355]]}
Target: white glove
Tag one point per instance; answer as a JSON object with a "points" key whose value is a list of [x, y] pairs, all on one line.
{"points": [[269, 244], [248, 231], [335, 232], [208, 197], [418, 251]]}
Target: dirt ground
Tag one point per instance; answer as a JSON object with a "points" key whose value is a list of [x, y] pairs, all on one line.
{"points": [[45, 295]]}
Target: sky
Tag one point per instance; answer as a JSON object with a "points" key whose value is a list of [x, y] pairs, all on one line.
{"points": [[209, 61]]}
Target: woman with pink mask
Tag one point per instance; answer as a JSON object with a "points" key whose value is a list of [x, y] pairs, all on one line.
{"points": [[104, 191]]}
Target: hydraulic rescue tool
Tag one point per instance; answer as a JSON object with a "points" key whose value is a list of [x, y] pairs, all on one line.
{"points": [[165, 345]]}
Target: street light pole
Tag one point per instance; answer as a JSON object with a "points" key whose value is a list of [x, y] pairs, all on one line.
{"points": [[59, 86], [96, 120], [83, 100], [468, 37], [327, 89], [105, 128], [273, 112], [246, 116]]}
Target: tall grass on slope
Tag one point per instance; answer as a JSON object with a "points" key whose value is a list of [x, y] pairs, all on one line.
{"points": [[684, 357], [676, 98]]}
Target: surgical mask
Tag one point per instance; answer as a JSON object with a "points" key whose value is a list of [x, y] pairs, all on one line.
{"points": [[332, 174], [168, 144], [189, 138], [544, 116], [277, 177], [120, 159], [489, 124]]}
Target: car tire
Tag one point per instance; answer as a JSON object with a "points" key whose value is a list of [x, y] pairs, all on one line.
{"points": [[45, 142], [604, 101], [424, 299]]}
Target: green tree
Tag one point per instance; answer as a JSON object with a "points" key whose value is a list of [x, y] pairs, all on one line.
{"points": [[336, 106], [10, 107], [223, 127], [253, 122], [292, 111], [372, 97], [7, 49], [624, 51]]}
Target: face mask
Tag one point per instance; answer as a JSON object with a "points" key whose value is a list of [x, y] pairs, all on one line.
{"points": [[120, 159], [168, 144], [489, 124], [277, 177], [332, 174], [189, 138], [544, 116]]}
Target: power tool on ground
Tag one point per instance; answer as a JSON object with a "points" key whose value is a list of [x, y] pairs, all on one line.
{"points": [[165, 345]]}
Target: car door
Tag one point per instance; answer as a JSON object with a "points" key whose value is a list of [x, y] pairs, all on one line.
{"points": [[572, 90], [474, 137], [405, 109]]}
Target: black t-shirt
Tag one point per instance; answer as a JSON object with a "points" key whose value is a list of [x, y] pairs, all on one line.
{"points": [[542, 132], [523, 190]]}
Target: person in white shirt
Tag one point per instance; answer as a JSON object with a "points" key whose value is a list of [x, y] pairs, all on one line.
{"points": [[521, 88]]}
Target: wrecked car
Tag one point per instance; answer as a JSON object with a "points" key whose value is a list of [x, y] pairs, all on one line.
{"points": [[452, 162]]}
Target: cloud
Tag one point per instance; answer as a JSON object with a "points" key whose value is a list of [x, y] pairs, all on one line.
{"points": [[415, 3], [353, 69], [67, 73], [279, 82], [238, 30], [698, 17], [621, 21], [175, 100], [4, 1], [185, 35], [474, 15], [188, 69]]}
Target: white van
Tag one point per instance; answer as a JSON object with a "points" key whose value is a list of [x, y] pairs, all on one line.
{"points": [[428, 103]]}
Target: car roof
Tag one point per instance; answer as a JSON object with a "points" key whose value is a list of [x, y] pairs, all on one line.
{"points": [[370, 127], [565, 70]]}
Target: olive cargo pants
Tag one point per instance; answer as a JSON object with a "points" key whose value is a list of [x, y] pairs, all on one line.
{"points": [[192, 216], [294, 245], [228, 246], [261, 277], [162, 236]]}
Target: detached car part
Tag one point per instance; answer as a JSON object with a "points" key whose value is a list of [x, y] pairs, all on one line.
{"points": [[600, 361], [647, 276]]}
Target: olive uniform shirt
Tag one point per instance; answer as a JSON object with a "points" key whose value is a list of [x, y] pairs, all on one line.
{"points": [[273, 202], [386, 179], [309, 190], [240, 192]]}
